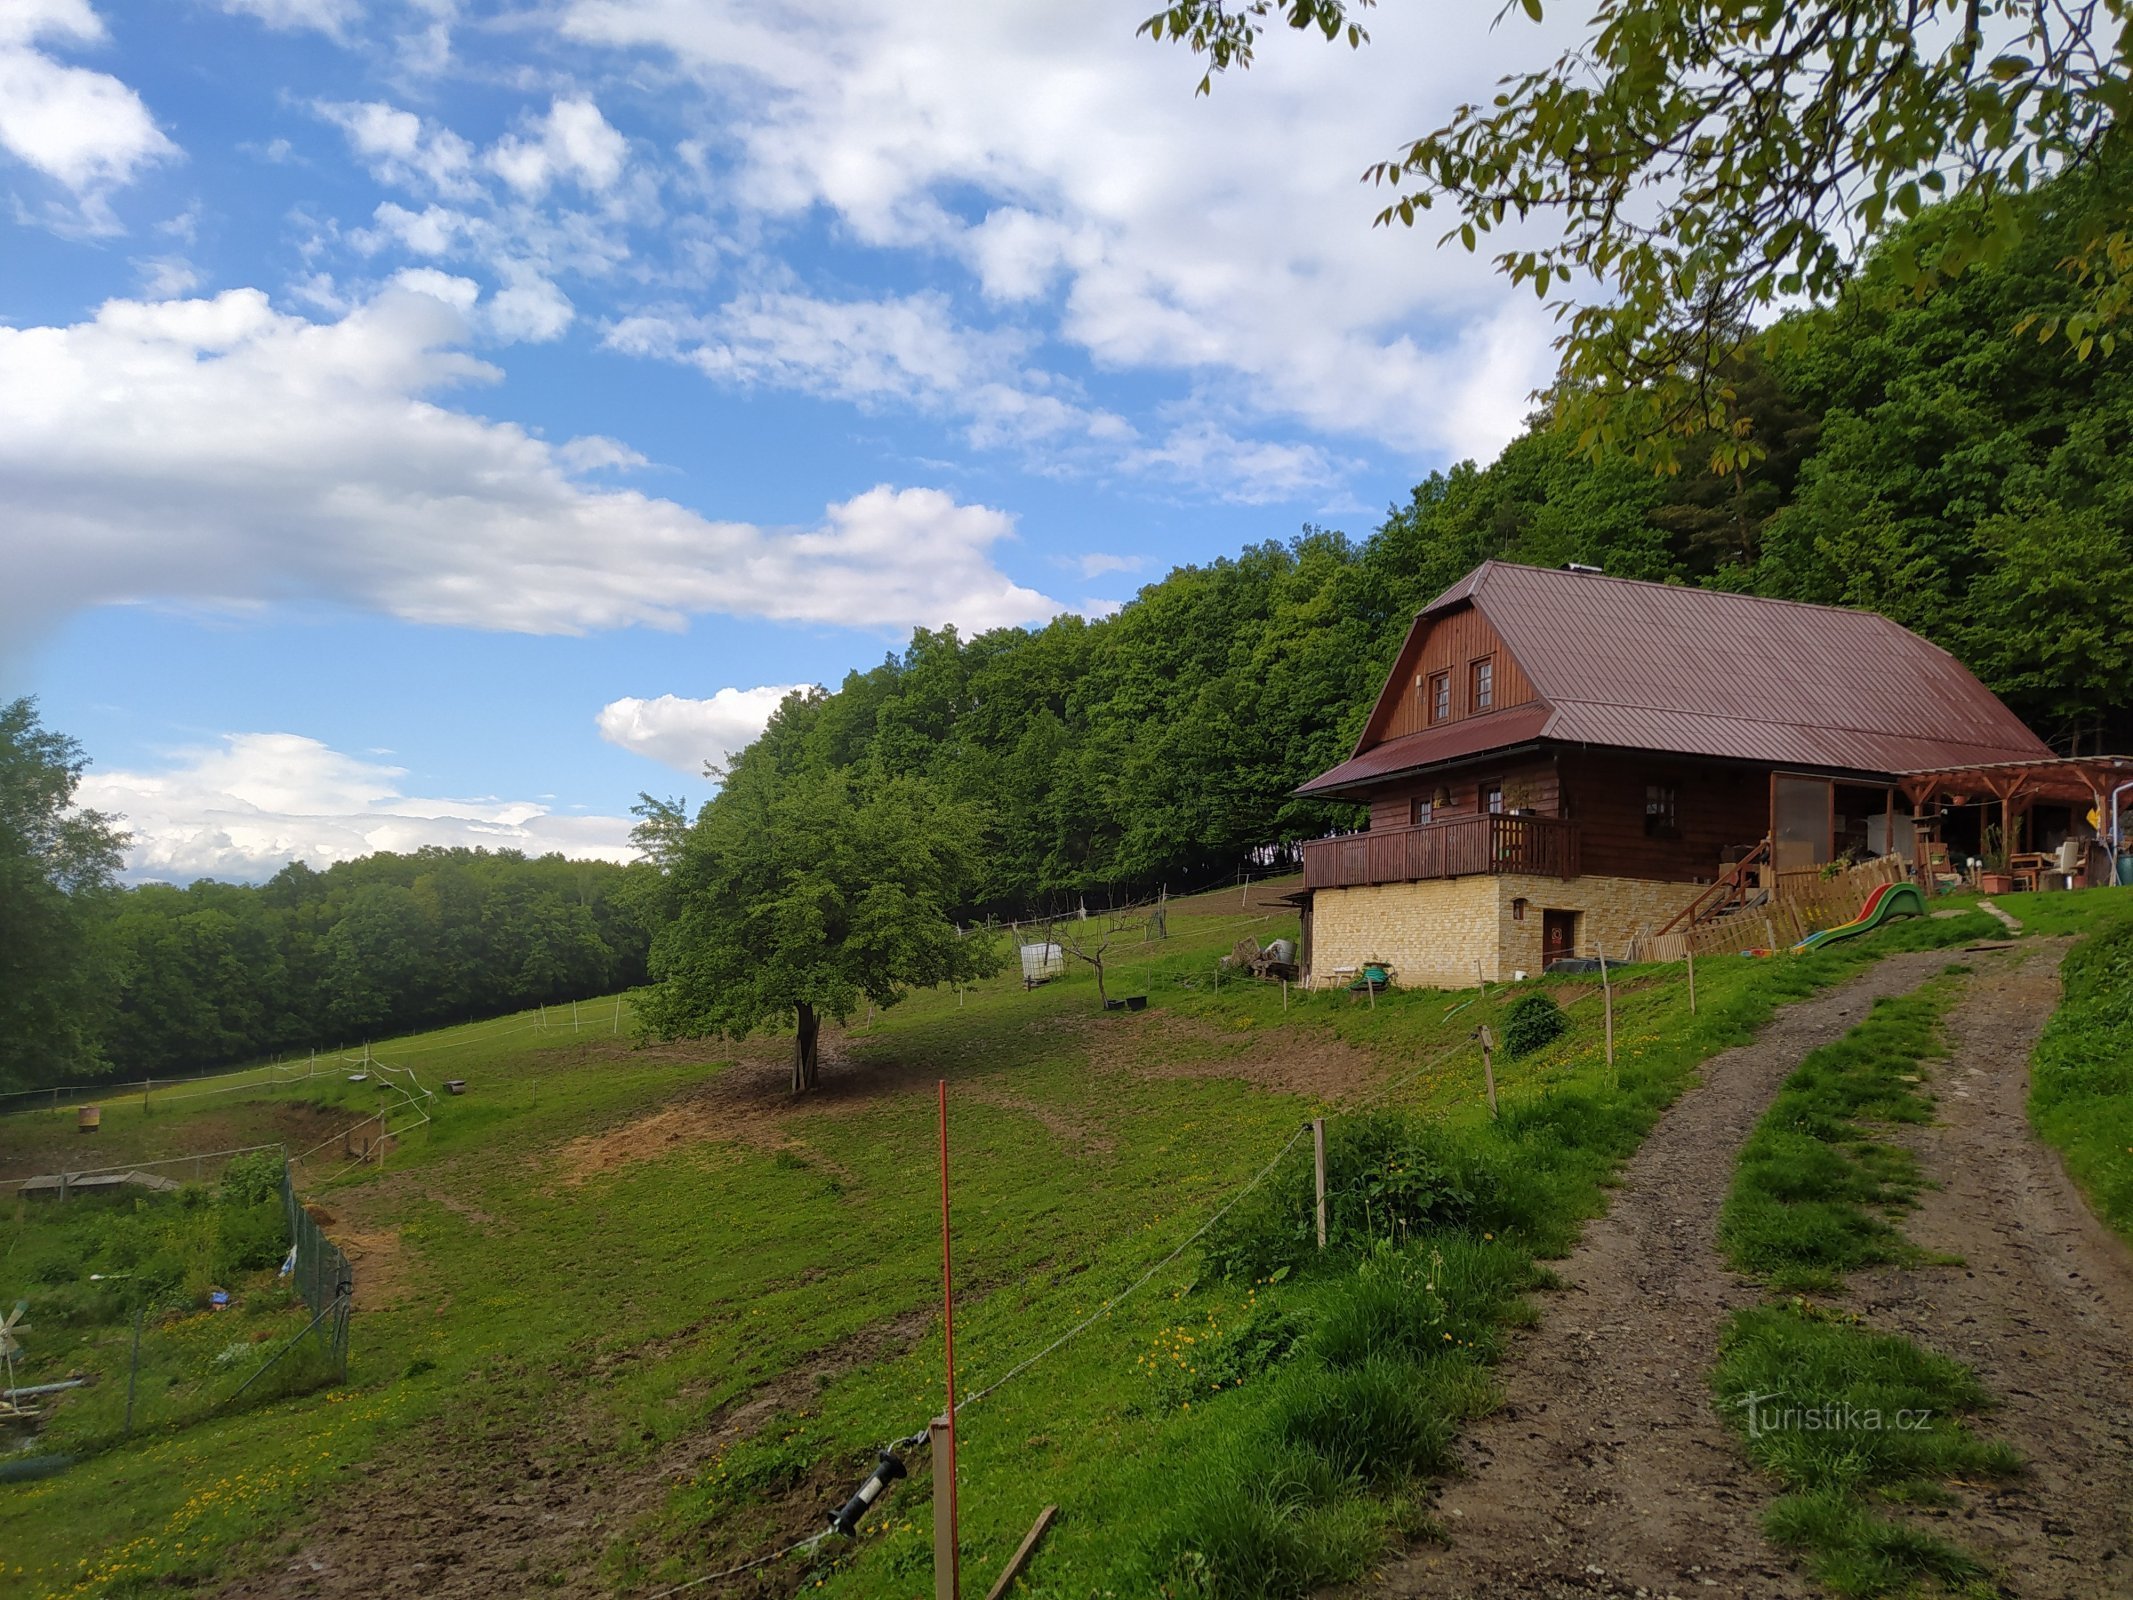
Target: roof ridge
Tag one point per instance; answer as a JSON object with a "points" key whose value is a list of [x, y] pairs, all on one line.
{"points": [[1476, 577]]}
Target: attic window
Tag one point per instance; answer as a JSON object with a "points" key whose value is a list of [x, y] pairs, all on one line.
{"points": [[1484, 685], [1440, 697]]}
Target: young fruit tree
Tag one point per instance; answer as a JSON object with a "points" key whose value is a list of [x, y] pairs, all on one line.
{"points": [[803, 894]]}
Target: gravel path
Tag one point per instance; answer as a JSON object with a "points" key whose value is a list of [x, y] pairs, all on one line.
{"points": [[2041, 1304], [1608, 1471]]}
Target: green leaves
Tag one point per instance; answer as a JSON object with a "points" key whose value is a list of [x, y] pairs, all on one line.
{"points": [[1700, 161]]}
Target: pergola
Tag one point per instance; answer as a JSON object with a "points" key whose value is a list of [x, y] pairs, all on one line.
{"points": [[2019, 785]]}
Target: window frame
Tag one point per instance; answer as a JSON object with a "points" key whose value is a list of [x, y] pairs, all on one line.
{"points": [[1491, 791], [1421, 811], [1662, 810], [1437, 693], [1481, 684]]}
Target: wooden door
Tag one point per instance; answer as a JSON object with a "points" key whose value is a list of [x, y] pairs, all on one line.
{"points": [[1559, 935]]}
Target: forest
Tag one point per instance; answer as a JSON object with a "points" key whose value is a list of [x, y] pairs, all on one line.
{"points": [[1928, 457]]}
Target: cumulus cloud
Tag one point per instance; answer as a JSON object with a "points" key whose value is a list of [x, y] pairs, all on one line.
{"points": [[219, 451], [573, 141], [251, 803], [689, 734], [85, 130], [1072, 170]]}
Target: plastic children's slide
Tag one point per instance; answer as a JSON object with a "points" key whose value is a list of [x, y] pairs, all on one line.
{"points": [[1885, 904]]}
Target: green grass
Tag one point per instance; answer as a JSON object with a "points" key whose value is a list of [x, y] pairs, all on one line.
{"points": [[600, 1320], [1818, 1188], [1853, 1423], [2081, 1076]]}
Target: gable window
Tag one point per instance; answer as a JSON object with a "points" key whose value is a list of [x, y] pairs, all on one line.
{"points": [[1420, 812], [1492, 796], [1484, 685], [1661, 811], [1440, 697]]}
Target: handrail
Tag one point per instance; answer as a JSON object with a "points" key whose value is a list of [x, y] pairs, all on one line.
{"points": [[1486, 842], [1731, 882]]}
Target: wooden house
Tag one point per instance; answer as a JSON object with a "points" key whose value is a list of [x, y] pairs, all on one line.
{"points": [[1559, 759]]}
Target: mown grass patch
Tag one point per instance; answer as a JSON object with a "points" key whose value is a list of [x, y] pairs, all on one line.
{"points": [[1854, 1422], [2081, 1075], [1818, 1187]]}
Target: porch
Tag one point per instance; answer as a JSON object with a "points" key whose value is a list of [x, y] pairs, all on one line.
{"points": [[1542, 846]]}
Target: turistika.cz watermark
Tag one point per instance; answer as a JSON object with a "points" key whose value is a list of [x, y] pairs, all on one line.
{"points": [[1772, 1413]]}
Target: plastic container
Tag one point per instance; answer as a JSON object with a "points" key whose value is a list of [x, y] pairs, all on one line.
{"points": [[2125, 867]]}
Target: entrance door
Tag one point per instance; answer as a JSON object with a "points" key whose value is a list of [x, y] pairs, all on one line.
{"points": [[1559, 937]]}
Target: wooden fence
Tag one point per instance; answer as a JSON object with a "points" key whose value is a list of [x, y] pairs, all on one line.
{"points": [[1800, 903]]}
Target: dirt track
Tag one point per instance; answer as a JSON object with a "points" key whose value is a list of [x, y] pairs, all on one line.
{"points": [[2042, 1304], [1609, 1471]]}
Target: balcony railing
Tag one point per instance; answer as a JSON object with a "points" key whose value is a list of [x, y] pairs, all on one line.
{"points": [[1544, 846]]}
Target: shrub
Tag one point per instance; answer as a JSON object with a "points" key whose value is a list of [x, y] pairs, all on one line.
{"points": [[1533, 1022], [249, 1179]]}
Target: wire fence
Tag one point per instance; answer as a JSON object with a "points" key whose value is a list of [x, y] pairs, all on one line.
{"points": [[320, 1273]]}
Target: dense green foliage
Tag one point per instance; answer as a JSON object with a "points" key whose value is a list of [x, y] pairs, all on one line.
{"points": [[1533, 1021], [801, 891], [2081, 1078], [220, 972], [58, 863]]}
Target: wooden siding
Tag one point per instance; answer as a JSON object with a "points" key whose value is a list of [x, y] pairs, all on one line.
{"points": [[1530, 784], [1449, 644], [1542, 846], [1718, 807]]}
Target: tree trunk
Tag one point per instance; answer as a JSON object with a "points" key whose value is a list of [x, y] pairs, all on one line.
{"points": [[1102, 999], [806, 1059]]}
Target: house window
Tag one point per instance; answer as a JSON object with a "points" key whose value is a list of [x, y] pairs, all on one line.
{"points": [[1420, 812], [1492, 797], [1484, 684], [1440, 697], [1661, 811]]}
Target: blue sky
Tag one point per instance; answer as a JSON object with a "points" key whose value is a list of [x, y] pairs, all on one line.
{"points": [[423, 421]]}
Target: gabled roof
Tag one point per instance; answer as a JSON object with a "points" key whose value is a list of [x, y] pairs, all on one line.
{"points": [[1661, 667]]}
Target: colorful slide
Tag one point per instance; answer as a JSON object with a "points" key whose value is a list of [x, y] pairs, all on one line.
{"points": [[1885, 904]]}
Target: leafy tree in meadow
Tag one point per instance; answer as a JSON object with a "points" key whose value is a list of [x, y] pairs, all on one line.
{"points": [[804, 893], [58, 865]]}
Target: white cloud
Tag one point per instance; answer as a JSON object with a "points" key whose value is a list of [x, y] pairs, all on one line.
{"points": [[403, 150], [1096, 564], [330, 17], [685, 734], [250, 804], [165, 277], [1069, 166], [220, 451], [574, 140], [85, 130]]}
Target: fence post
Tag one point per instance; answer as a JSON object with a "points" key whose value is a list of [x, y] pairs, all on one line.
{"points": [[1607, 994], [1488, 1064], [1690, 945], [133, 1373], [947, 1574], [1318, 1158]]}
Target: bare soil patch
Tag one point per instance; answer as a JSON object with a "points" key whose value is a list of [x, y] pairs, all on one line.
{"points": [[483, 1502], [39, 1142], [377, 1258], [1607, 1471], [2041, 1303], [1161, 1044]]}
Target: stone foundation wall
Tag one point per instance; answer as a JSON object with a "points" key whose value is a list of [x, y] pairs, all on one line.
{"points": [[1432, 934]]}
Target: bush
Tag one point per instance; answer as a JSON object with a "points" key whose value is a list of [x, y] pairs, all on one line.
{"points": [[1533, 1022], [249, 1179]]}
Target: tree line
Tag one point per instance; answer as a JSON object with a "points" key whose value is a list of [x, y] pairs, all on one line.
{"points": [[98, 979]]}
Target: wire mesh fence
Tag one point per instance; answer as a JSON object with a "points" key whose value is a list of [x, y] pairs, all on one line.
{"points": [[320, 1273]]}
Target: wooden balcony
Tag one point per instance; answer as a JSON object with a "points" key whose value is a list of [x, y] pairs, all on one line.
{"points": [[1544, 846]]}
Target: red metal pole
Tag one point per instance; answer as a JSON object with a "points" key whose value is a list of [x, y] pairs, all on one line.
{"points": [[955, 1557]]}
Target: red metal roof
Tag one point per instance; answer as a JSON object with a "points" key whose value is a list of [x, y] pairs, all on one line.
{"points": [[1471, 736], [1650, 666]]}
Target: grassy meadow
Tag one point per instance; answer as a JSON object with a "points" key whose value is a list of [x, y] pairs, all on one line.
{"points": [[603, 1256]]}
